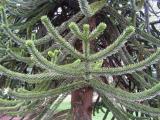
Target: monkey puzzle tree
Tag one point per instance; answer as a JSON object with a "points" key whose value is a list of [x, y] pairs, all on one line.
{"points": [[65, 60]]}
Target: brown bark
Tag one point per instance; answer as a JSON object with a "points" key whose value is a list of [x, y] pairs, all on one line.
{"points": [[82, 104]]}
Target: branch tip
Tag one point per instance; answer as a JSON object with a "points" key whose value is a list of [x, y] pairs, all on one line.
{"points": [[44, 18], [29, 42]]}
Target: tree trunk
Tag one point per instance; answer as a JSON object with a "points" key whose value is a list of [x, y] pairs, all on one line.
{"points": [[82, 104], [81, 100]]}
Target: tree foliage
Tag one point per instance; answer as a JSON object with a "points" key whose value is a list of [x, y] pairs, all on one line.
{"points": [[41, 66]]}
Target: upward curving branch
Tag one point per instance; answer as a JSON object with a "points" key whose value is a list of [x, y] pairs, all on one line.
{"points": [[5, 26], [34, 78], [148, 37], [4, 102], [11, 108], [12, 35], [115, 45], [19, 57], [49, 93], [3, 15], [129, 68], [85, 8], [47, 64], [58, 38], [140, 107], [120, 94]]}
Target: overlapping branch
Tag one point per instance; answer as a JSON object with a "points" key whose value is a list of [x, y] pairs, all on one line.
{"points": [[129, 68], [85, 8], [120, 94], [58, 38], [111, 49], [32, 78], [49, 93], [47, 64]]}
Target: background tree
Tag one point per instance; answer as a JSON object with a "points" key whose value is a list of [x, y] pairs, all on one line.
{"points": [[41, 64]]}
